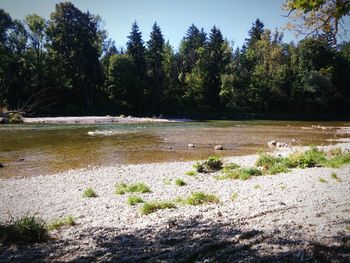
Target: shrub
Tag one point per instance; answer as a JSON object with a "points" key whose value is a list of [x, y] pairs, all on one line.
{"points": [[180, 182], [67, 221], [191, 173], [27, 229], [134, 199], [123, 188], [312, 158], [151, 207], [200, 198], [15, 118], [212, 164], [89, 192]]}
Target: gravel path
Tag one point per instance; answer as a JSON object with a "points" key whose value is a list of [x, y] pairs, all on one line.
{"points": [[291, 216]]}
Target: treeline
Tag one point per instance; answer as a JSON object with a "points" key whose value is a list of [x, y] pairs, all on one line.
{"points": [[67, 66]]}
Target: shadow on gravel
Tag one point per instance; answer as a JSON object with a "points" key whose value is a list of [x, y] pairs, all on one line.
{"points": [[190, 240]]}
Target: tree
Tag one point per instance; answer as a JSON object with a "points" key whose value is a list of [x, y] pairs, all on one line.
{"points": [[255, 33], [155, 67], [317, 17], [74, 45]]}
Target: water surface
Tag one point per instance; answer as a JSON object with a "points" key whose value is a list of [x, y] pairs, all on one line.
{"points": [[44, 149]]}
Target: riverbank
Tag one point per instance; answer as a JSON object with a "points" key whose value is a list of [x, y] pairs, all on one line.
{"points": [[295, 216], [96, 120]]}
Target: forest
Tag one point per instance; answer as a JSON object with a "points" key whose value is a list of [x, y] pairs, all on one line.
{"points": [[67, 65]]}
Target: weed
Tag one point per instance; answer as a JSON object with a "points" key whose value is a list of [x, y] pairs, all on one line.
{"points": [[241, 173], [335, 151], [322, 180], [66, 221], [191, 173], [151, 207], [134, 199], [272, 164], [234, 196], [229, 167], [123, 188], [89, 192], [200, 198], [212, 164], [27, 229], [180, 182]]}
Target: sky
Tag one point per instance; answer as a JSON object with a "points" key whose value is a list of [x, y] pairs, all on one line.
{"points": [[233, 17]]}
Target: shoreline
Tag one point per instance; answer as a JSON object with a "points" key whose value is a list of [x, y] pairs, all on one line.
{"points": [[96, 120], [292, 206]]}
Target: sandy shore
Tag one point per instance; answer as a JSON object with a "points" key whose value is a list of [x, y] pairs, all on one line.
{"points": [[95, 120], [286, 217]]}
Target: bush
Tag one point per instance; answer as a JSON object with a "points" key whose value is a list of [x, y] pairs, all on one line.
{"points": [[151, 207], [15, 118], [200, 198], [27, 229], [67, 221], [180, 182], [272, 164], [89, 192], [123, 188], [134, 199], [212, 164]]}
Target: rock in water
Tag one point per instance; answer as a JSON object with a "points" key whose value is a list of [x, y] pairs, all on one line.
{"points": [[1, 165], [272, 144], [218, 147], [190, 145]]}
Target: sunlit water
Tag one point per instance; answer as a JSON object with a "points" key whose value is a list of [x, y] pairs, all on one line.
{"points": [[45, 149]]}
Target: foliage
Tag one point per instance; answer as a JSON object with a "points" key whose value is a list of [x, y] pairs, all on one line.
{"points": [[151, 207], [89, 192], [212, 164], [66, 221], [200, 198], [180, 182], [240, 173], [134, 199], [27, 229], [15, 118], [123, 188], [191, 173]]}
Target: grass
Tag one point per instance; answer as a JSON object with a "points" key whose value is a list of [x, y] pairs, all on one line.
{"points": [[134, 200], [234, 196], [191, 173], [229, 167], [180, 182], [310, 158], [27, 229], [335, 176], [151, 207], [123, 188], [58, 223], [212, 164], [89, 192], [240, 173], [199, 198], [322, 180]]}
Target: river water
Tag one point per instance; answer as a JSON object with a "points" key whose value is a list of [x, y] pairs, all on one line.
{"points": [[44, 149]]}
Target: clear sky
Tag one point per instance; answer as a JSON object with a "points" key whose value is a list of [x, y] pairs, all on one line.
{"points": [[233, 17]]}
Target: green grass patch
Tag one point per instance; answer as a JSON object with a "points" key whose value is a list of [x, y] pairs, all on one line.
{"points": [[234, 197], [180, 182], [212, 164], [322, 180], [27, 229], [61, 222], [191, 173], [134, 200], [230, 167], [151, 207], [123, 188], [199, 198], [240, 173], [89, 192]]}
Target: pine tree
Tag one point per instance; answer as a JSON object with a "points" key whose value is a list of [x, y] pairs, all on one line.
{"points": [[136, 50], [155, 66], [255, 33]]}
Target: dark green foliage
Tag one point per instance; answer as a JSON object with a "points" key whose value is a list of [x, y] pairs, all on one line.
{"points": [[212, 164], [27, 229], [66, 66], [123, 188], [151, 207]]}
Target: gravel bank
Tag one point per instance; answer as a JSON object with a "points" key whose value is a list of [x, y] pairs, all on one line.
{"points": [[291, 216]]}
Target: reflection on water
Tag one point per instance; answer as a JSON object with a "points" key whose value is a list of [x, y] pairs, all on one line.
{"points": [[41, 149]]}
